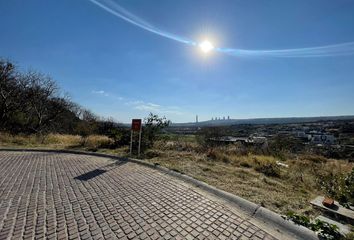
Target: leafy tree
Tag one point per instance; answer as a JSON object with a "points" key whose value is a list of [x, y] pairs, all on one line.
{"points": [[153, 124]]}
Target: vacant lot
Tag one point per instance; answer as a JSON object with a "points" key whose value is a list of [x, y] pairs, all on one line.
{"points": [[258, 178], [278, 184]]}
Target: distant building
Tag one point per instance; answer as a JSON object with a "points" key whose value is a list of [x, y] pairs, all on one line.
{"points": [[228, 117], [196, 119], [300, 134], [322, 139], [315, 137]]}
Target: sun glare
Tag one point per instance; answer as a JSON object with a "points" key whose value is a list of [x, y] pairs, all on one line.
{"points": [[206, 46]]}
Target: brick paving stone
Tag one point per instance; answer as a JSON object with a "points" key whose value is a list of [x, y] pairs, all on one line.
{"points": [[72, 196]]}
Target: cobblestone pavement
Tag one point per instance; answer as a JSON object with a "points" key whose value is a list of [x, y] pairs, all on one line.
{"points": [[69, 196]]}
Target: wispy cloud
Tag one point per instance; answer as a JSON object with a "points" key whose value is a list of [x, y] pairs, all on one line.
{"points": [[100, 92], [106, 94], [135, 102], [153, 107], [141, 105], [148, 107]]}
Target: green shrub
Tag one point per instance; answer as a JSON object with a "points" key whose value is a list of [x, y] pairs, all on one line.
{"points": [[299, 219], [326, 230], [153, 124], [340, 187], [323, 229]]}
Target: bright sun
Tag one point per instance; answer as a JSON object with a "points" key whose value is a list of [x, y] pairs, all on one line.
{"points": [[206, 46]]}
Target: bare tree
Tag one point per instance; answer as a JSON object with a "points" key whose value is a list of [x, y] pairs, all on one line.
{"points": [[32, 103], [8, 91], [43, 104], [77, 110]]}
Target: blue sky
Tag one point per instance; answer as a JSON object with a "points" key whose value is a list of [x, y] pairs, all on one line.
{"points": [[117, 69]]}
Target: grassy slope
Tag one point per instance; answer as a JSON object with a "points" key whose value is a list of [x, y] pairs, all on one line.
{"points": [[290, 189], [240, 174]]}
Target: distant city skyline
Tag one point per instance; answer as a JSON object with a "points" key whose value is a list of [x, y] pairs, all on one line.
{"points": [[121, 70]]}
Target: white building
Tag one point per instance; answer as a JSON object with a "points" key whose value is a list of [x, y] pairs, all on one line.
{"points": [[322, 139]]}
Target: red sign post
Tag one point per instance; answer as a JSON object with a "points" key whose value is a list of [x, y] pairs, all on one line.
{"points": [[136, 127]]}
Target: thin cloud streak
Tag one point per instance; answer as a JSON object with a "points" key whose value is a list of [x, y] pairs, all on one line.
{"points": [[323, 51], [100, 92], [106, 94], [143, 106], [156, 108], [341, 49], [127, 16]]}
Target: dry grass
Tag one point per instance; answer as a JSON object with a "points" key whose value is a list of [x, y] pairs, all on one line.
{"points": [[62, 139], [122, 151], [36, 140], [96, 141], [55, 141], [257, 178]]}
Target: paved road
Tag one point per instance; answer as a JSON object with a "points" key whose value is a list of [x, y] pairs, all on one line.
{"points": [[69, 196]]}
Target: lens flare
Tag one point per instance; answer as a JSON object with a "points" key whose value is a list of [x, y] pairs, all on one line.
{"points": [[206, 46]]}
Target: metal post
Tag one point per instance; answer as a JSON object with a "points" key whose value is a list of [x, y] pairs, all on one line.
{"points": [[139, 141], [131, 142]]}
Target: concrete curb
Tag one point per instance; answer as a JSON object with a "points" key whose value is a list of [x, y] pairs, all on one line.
{"points": [[251, 209]]}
